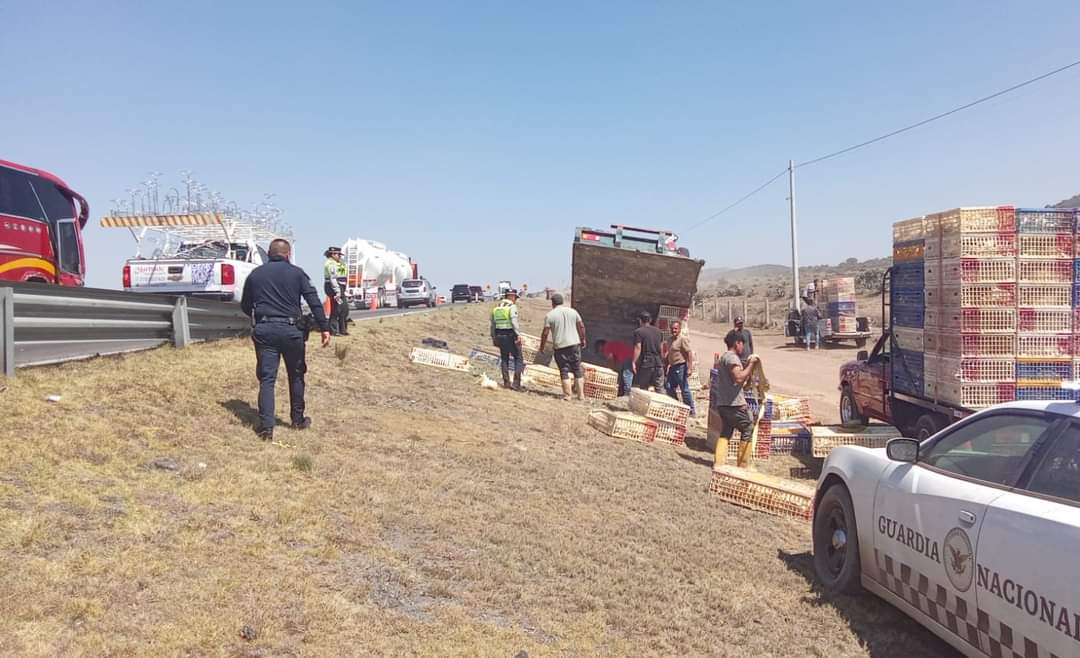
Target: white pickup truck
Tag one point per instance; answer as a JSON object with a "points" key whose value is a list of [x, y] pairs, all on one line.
{"points": [[209, 268]]}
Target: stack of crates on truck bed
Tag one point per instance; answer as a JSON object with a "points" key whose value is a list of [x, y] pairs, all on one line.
{"points": [[839, 297], [908, 310], [1045, 321], [970, 273]]}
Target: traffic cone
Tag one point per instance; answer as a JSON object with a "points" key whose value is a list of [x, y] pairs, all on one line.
{"points": [[326, 306], [374, 304]]}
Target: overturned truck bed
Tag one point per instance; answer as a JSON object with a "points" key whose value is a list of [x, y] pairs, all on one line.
{"points": [[619, 272]]}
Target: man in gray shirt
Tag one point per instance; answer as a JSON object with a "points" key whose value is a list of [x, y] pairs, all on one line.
{"points": [[727, 393], [567, 331]]}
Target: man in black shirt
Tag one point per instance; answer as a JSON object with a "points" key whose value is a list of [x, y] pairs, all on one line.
{"points": [[271, 298], [648, 361]]}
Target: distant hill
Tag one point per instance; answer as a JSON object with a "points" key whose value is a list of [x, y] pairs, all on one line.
{"points": [[775, 280], [1072, 202], [711, 274]]}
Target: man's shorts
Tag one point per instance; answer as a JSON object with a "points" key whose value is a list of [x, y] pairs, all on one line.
{"points": [[568, 359], [735, 418]]}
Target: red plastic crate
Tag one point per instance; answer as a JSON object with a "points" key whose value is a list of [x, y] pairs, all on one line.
{"points": [[1047, 245], [974, 220], [1046, 296], [987, 270], [1046, 320], [988, 320], [993, 295], [1046, 270], [1051, 345]]}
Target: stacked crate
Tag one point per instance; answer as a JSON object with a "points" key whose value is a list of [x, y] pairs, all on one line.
{"points": [[908, 310], [1045, 274], [970, 274], [670, 314], [839, 297]]}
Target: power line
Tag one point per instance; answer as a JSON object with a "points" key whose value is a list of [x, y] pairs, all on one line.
{"points": [[884, 137], [938, 116], [741, 199]]}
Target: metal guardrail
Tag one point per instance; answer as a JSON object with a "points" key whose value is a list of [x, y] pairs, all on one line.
{"points": [[42, 324]]}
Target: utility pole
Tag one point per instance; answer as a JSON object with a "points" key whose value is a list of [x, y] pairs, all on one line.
{"points": [[794, 235]]}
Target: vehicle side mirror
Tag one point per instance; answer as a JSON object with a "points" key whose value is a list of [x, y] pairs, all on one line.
{"points": [[863, 355], [903, 450]]}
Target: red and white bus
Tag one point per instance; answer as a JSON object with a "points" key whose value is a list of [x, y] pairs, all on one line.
{"points": [[41, 222]]}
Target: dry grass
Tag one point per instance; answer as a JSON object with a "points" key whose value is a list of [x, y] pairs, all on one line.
{"points": [[421, 515]]}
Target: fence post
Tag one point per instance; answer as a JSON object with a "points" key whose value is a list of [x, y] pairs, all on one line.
{"points": [[745, 310], [768, 315], [716, 310], [181, 328], [7, 332]]}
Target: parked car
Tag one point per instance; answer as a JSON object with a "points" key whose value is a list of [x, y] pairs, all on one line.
{"points": [[477, 293], [972, 532], [416, 292], [461, 292]]}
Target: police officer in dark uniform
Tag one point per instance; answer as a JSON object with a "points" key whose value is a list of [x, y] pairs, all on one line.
{"points": [[271, 298]]}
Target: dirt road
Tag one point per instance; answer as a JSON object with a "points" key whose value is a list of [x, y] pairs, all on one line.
{"points": [[791, 369]]}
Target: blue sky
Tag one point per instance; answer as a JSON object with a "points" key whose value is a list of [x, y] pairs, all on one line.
{"points": [[475, 136]]}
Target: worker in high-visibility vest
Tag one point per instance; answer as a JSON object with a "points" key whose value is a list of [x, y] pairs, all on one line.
{"points": [[504, 334], [335, 279]]}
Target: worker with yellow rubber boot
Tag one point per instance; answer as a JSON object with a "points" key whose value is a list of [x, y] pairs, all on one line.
{"points": [[727, 400], [505, 335]]}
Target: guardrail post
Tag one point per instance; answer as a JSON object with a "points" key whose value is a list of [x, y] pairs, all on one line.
{"points": [[181, 328], [7, 332]]}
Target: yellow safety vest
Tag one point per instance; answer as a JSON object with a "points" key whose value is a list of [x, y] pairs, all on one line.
{"points": [[502, 316]]}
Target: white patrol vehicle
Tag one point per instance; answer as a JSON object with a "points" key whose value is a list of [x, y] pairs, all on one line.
{"points": [[974, 533]]}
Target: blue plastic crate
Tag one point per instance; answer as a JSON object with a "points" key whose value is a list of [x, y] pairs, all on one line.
{"points": [[1044, 370], [1076, 295], [1044, 393], [753, 405], [1045, 220], [1076, 271], [908, 371], [912, 318], [909, 385], [790, 444], [909, 275], [833, 309], [908, 298]]}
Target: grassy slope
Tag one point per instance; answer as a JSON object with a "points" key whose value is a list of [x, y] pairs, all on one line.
{"points": [[437, 518]]}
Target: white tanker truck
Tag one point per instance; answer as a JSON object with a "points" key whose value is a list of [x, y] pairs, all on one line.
{"points": [[374, 272]]}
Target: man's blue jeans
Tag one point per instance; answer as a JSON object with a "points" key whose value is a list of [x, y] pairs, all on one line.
{"points": [[678, 380]]}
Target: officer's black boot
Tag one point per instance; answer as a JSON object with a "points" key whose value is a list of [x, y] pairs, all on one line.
{"points": [[517, 380], [506, 375]]}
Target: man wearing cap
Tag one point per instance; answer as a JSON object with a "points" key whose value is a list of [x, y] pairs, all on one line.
{"points": [[335, 279], [747, 340], [504, 334], [567, 332], [271, 299]]}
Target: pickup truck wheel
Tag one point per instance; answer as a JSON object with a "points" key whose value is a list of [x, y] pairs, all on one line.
{"points": [[836, 542], [849, 409], [926, 426]]}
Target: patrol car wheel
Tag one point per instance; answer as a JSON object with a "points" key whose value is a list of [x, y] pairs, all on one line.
{"points": [[836, 542]]}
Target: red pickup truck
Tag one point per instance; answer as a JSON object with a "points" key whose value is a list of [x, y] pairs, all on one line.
{"points": [[866, 392], [867, 387]]}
